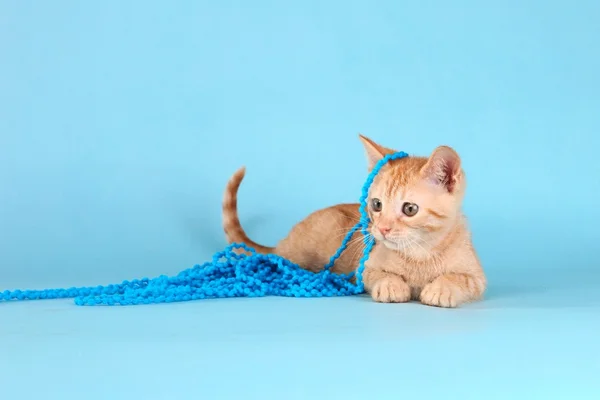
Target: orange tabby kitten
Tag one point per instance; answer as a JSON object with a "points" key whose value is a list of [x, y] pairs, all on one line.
{"points": [[422, 250]]}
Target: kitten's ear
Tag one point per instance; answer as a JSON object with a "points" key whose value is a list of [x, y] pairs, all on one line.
{"points": [[443, 168], [374, 152]]}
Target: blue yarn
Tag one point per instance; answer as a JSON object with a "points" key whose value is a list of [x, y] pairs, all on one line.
{"points": [[229, 275]]}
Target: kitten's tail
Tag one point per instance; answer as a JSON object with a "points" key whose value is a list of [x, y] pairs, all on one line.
{"points": [[231, 222]]}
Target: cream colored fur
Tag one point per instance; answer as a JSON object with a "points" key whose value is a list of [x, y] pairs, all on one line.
{"points": [[427, 256]]}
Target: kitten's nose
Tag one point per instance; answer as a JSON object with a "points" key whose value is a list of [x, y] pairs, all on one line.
{"points": [[384, 230]]}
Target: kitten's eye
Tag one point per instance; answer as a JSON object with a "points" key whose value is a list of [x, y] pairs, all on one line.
{"points": [[376, 205], [410, 209]]}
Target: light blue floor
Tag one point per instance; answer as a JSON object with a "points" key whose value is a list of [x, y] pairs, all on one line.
{"points": [[529, 341]]}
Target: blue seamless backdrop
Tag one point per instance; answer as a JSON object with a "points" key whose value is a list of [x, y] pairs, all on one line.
{"points": [[121, 121]]}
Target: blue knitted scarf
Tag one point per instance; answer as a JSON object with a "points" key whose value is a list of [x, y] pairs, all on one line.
{"points": [[229, 275]]}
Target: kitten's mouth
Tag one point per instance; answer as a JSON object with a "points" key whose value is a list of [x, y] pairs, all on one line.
{"points": [[390, 244]]}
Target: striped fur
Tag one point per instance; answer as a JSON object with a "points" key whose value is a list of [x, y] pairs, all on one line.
{"points": [[231, 221]]}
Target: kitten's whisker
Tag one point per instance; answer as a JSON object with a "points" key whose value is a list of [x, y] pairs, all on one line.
{"points": [[422, 240], [358, 238], [341, 232], [418, 244], [359, 249], [358, 245], [397, 247], [410, 245]]}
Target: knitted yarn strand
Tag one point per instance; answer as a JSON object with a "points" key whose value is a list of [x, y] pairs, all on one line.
{"points": [[229, 274]]}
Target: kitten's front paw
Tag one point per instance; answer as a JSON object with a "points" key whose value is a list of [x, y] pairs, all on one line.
{"points": [[390, 289], [441, 293]]}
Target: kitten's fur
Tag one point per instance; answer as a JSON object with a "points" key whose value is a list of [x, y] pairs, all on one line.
{"points": [[428, 256]]}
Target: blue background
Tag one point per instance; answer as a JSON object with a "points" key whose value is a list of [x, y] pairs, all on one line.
{"points": [[121, 121]]}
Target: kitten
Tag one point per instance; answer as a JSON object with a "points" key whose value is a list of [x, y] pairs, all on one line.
{"points": [[423, 250]]}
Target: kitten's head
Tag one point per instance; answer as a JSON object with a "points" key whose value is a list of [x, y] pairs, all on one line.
{"points": [[414, 201]]}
